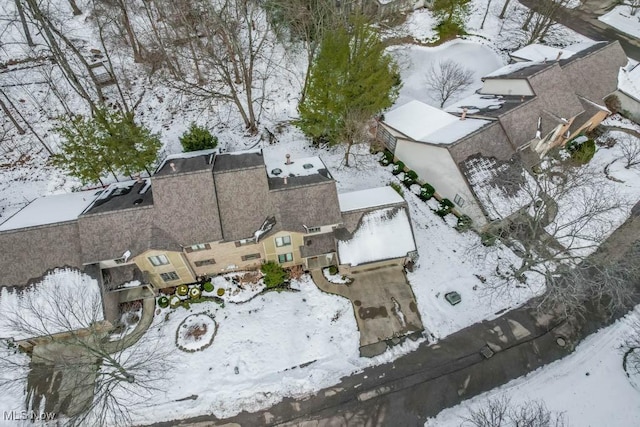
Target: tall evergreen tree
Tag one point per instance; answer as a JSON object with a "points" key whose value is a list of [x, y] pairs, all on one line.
{"points": [[451, 15], [109, 142], [352, 79]]}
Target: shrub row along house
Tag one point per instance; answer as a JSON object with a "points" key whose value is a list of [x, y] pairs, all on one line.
{"points": [[524, 108], [201, 214]]}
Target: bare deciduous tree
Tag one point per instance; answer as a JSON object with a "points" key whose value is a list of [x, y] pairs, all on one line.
{"points": [[447, 79], [525, 26], [630, 148], [501, 412], [554, 217], [631, 350], [99, 377]]}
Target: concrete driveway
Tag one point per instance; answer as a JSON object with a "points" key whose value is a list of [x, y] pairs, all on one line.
{"points": [[383, 303]]}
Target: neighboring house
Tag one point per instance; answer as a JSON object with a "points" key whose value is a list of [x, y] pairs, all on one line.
{"points": [[629, 91], [200, 214], [525, 107]]}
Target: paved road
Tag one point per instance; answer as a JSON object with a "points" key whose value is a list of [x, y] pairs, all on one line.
{"points": [[586, 23]]}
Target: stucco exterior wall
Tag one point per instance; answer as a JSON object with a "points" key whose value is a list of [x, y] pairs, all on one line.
{"points": [[507, 87], [177, 263], [228, 257], [55, 245], [436, 166], [272, 251]]}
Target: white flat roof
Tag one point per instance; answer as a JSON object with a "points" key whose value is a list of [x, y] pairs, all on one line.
{"points": [[373, 197], [51, 209], [418, 120], [629, 80], [539, 52], [298, 167]]}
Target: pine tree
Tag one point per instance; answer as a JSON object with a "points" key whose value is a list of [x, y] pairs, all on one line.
{"points": [[451, 15], [109, 142], [352, 79], [198, 138]]}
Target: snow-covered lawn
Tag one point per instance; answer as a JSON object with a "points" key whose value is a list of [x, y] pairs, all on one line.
{"points": [[415, 62], [589, 386], [620, 18]]}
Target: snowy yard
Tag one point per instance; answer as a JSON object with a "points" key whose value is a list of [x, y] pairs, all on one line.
{"points": [[620, 18], [589, 386], [295, 343]]}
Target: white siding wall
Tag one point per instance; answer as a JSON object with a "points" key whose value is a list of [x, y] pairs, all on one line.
{"points": [[506, 87], [435, 166], [631, 105]]}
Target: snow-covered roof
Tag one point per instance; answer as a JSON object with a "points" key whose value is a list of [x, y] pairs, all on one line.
{"points": [[539, 52], [64, 300], [629, 80], [382, 234], [51, 209], [381, 196], [511, 69], [297, 167], [425, 123], [418, 120]]}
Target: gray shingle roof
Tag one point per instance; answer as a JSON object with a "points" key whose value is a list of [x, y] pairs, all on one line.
{"points": [[241, 160], [318, 244]]}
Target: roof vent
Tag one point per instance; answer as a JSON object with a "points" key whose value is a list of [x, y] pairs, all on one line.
{"points": [[276, 171], [136, 202], [307, 166], [172, 166], [288, 157]]}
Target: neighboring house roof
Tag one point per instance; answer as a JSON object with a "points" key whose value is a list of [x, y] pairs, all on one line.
{"points": [[51, 209], [539, 52], [318, 244], [629, 81], [593, 72], [518, 70], [424, 123], [372, 197], [382, 234], [418, 120]]}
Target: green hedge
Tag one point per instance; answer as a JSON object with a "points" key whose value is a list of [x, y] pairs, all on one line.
{"points": [[427, 191], [464, 223], [163, 301], [397, 187], [399, 167], [445, 207], [208, 287], [581, 149]]}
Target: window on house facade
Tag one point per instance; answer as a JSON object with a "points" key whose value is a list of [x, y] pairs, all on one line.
{"points": [[458, 200], [282, 258], [250, 257], [244, 242], [119, 261], [386, 138], [158, 260], [283, 241], [204, 262], [198, 247], [170, 276], [313, 230]]}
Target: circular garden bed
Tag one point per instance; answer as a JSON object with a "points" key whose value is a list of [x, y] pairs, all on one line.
{"points": [[196, 332]]}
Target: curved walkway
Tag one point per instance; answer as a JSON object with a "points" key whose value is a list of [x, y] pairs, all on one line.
{"points": [[148, 309]]}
